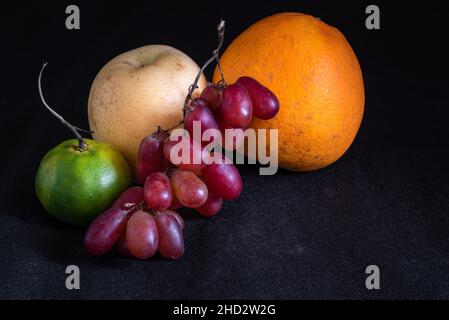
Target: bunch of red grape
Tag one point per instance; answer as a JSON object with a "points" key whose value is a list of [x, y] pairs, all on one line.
{"points": [[142, 220], [136, 232]]}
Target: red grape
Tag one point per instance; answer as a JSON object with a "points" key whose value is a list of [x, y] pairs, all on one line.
{"points": [[265, 102], [158, 193], [211, 206], [122, 247], [169, 143], [236, 109], [188, 188], [236, 136], [150, 157], [105, 231], [197, 172], [178, 217], [205, 119], [212, 94], [129, 196], [185, 153], [175, 204], [142, 235], [171, 242], [223, 179]]}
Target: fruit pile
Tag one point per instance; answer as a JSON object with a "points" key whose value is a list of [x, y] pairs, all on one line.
{"points": [[79, 178], [142, 220]]}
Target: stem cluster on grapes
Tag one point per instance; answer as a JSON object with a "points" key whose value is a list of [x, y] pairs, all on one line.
{"points": [[215, 57], [134, 207]]}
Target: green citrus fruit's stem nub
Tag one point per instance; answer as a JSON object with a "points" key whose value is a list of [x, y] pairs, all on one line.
{"points": [[75, 130]]}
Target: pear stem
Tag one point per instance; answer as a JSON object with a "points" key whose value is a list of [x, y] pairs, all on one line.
{"points": [[75, 130]]}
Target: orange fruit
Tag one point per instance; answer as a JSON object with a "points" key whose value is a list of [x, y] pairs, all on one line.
{"points": [[315, 74]]}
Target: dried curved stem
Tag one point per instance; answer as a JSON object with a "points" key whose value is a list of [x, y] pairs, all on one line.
{"points": [[75, 130], [215, 56], [221, 31]]}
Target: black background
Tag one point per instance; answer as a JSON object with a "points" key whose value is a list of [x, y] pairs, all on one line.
{"points": [[289, 236]]}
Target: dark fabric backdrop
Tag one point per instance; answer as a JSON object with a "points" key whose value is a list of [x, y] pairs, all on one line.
{"points": [[289, 236]]}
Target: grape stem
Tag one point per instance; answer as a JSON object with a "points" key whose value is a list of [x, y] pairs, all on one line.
{"points": [[75, 130], [221, 31], [134, 207], [215, 56], [160, 129]]}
